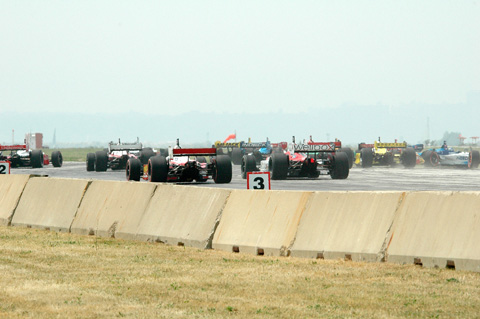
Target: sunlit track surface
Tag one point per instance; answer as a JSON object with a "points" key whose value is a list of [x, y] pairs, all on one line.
{"points": [[379, 179]]}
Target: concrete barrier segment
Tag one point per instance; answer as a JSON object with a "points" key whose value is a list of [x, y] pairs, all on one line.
{"points": [[11, 189], [49, 203], [438, 229], [109, 206], [260, 222], [346, 225], [180, 215]]}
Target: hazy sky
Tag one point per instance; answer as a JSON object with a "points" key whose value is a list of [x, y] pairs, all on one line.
{"points": [[241, 56]]}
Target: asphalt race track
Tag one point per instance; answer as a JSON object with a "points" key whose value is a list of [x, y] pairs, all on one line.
{"points": [[371, 179]]}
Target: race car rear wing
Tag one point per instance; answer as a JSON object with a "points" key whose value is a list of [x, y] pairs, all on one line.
{"points": [[195, 151], [219, 144], [18, 147], [125, 147], [314, 147], [390, 145]]}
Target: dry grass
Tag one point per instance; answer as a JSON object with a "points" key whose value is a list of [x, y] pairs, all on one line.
{"points": [[55, 275]]}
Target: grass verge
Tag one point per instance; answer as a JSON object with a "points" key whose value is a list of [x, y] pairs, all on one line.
{"points": [[52, 275]]}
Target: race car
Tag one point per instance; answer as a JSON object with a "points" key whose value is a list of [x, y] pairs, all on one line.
{"points": [[347, 150], [301, 160], [385, 154], [237, 150], [20, 156], [183, 165], [447, 156], [116, 156]]}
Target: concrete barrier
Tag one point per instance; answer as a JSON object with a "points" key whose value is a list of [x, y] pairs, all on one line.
{"points": [[49, 203], [260, 222], [350, 225], [179, 215], [11, 189], [438, 229], [107, 205]]}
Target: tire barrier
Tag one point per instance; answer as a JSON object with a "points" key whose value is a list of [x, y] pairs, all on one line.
{"points": [[260, 222], [49, 203], [432, 229], [11, 189]]}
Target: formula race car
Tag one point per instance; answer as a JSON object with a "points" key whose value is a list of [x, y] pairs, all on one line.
{"points": [[447, 156], [301, 160], [117, 155], [183, 165], [236, 151], [21, 156], [385, 154]]}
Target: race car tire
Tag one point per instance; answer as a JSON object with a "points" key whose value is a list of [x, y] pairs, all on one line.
{"points": [[90, 162], [36, 158], [431, 158], [101, 161], [237, 156], [145, 155], [133, 169], [409, 158], [57, 159], [157, 169], [340, 167], [222, 170], [367, 157], [473, 159], [278, 165], [248, 165], [349, 153]]}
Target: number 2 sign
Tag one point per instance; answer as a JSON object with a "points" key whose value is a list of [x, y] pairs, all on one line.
{"points": [[4, 167], [258, 180]]}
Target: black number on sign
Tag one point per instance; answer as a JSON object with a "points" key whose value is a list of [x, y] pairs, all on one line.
{"points": [[3, 169], [260, 183]]}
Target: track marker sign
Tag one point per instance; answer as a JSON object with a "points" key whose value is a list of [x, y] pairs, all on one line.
{"points": [[258, 180], [4, 167]]}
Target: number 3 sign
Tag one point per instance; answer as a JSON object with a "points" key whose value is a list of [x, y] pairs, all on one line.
{"points": [[258, 180], [4, 167]]}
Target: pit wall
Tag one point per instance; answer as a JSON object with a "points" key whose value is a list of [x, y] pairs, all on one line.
{"points": [[432, 229]]}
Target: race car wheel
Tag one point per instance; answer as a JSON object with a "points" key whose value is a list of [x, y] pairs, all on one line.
{"points": [[473, 159], [349, 153], [409, 158], [57, 159], [157, 169], [222, 170], [237, 156], [248, 165], [145, 155], [101, 160], [36, 158], [133, 169], [90, 162], [367, 157], [278, 165], [431, 158], [340, 167]]}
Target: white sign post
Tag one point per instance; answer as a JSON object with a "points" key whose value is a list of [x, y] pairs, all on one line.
{"points": [[4, 167], [258, 180]]}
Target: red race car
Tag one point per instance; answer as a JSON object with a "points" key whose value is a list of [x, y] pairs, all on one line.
{"points": [[183, 165]]}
